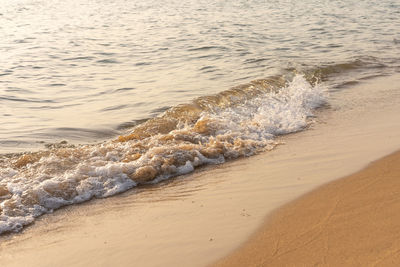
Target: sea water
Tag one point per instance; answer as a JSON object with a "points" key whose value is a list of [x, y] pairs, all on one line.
{"points": [[97, 97]]}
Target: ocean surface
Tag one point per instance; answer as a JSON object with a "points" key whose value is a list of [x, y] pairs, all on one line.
{"points": [[97, 97]]}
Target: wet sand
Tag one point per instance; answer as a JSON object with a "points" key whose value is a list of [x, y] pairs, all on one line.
{"points": [[196, 219], [353, 221]]}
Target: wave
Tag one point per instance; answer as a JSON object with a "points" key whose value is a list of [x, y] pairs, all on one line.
{"points": [[358, 65], [238, 122]]}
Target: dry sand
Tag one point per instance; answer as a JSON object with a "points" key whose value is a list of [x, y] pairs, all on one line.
{"points": [[353, 221]]}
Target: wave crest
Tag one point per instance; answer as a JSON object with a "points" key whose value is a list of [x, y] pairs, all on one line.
{"points": [[235, 123]]}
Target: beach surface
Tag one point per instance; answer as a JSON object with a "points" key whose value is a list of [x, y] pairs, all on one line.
{"points": [[349, 222], [196, 219]]}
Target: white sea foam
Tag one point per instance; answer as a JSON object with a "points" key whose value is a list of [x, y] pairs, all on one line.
{"points": [[37, 183]]}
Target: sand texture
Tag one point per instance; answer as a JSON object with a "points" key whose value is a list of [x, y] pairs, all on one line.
{"points": [[353, 221]]}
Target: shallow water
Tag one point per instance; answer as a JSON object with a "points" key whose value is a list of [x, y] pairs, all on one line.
{"points": [[140, 92], [83, 71]]}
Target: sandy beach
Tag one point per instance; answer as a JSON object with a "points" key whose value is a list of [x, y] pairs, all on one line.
{"points": [[199, 133], [353, 221]]}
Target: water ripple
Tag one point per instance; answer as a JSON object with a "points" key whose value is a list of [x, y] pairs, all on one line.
{"points": [[73, 62]]}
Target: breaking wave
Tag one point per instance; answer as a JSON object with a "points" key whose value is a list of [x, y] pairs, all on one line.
{"points": [[235, 123]]}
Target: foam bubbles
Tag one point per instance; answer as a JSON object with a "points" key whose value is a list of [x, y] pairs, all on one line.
{"points": [[243, 124]]}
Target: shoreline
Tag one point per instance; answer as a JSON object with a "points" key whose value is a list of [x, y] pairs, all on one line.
{"points": [[351, 221], [196, 219]]}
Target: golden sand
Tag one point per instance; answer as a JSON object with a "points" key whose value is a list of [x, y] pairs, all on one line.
{"points": [[353, 221]]}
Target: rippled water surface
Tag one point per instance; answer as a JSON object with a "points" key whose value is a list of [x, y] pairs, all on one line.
{"points": [[84, 71], [115, 94]]}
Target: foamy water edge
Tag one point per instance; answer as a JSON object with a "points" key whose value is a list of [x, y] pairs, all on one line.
{"points": [[237, 125]]}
